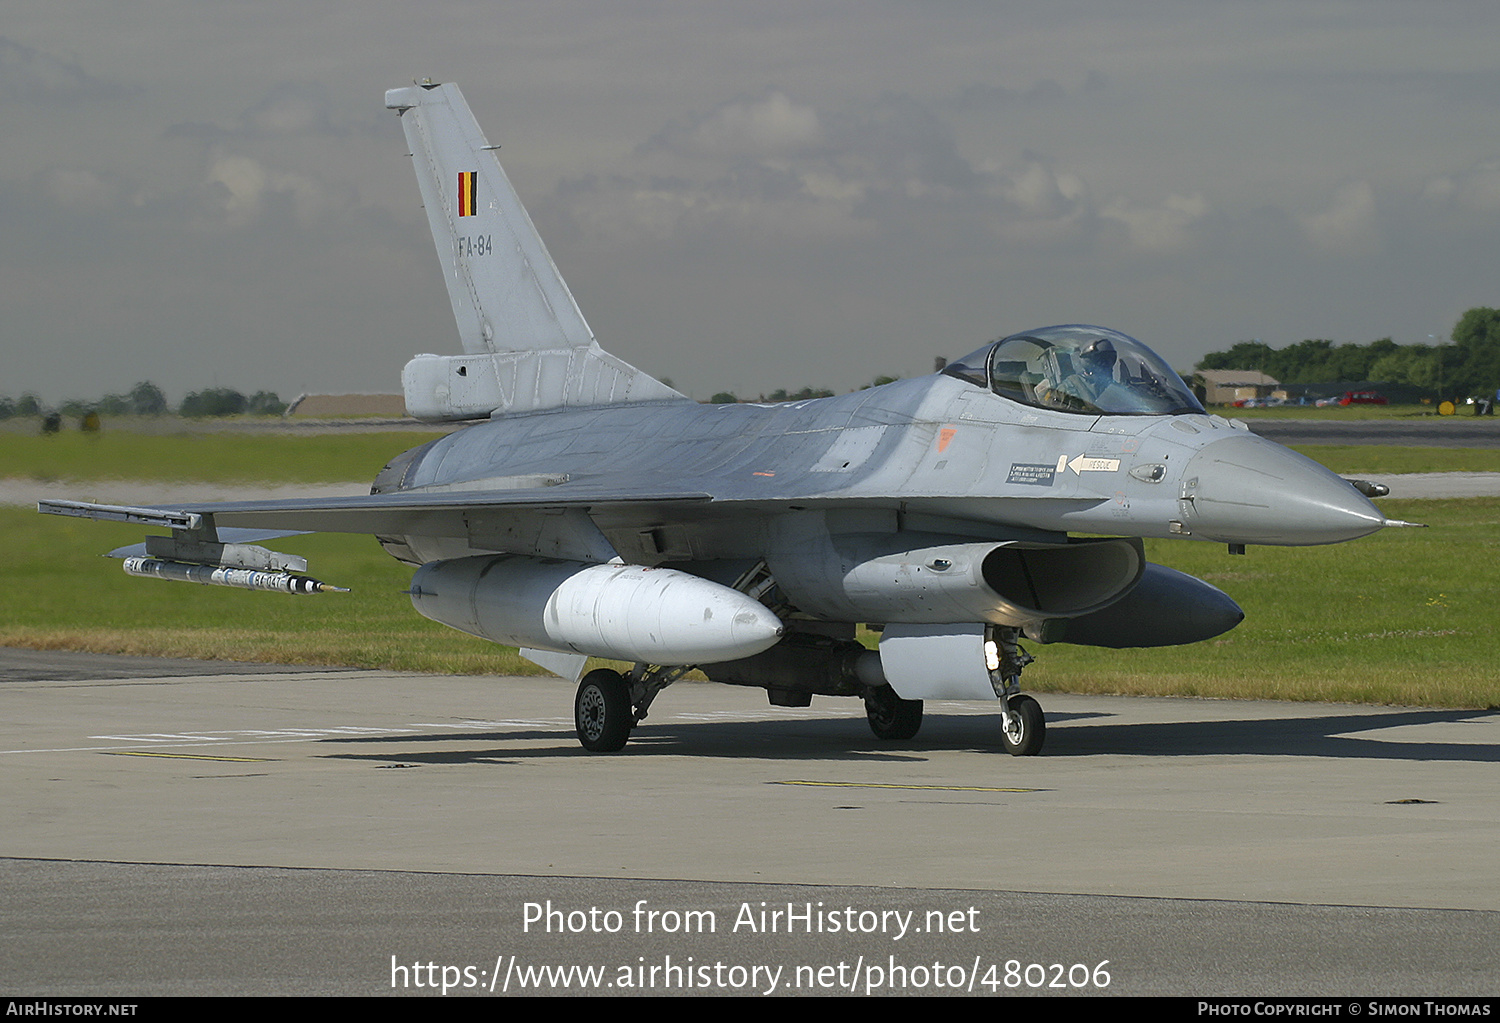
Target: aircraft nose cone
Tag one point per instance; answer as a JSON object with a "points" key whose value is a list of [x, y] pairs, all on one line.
{"points": [[1247, 489]]}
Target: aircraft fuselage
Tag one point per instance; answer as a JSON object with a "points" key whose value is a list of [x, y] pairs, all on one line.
{"points": [[936, 453]]}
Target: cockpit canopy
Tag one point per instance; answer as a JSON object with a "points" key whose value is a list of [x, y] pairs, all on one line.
{"points": [[1077, 368]]}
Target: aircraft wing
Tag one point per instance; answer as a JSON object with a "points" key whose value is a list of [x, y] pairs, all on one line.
{"points": [[392, 513]]}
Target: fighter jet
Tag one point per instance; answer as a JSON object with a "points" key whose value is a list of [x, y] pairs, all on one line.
{"points": [[590, 510]]}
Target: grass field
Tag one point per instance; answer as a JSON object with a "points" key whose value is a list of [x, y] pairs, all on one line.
{"points": [[1403, 617], [61, 594]]}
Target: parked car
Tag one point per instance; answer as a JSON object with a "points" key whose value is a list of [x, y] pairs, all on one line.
{"points": [[1353, 398]]}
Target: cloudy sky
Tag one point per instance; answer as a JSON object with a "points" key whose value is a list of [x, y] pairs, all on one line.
{"points": [[743, 196]]}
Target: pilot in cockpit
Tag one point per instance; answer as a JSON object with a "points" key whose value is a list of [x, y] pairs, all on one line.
{"points": [[1096, 365], [1085, 380], [1078, 368]]}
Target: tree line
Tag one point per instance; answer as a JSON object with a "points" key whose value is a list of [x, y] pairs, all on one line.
{"points": [[146, 399], [1470, 365]]}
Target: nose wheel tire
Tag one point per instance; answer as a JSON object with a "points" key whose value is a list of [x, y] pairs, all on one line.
{"points": [[602, 712], [890, 716], [1023, 731]]}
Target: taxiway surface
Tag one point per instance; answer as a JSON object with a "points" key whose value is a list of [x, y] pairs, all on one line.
{"points": [[191, 827]]}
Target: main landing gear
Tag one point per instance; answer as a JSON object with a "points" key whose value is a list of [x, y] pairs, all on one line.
{"points": [[602, 712], [890, 716], [608, 705]]}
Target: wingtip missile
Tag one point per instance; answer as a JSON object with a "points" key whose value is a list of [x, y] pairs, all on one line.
{"points": [[240, 578]]}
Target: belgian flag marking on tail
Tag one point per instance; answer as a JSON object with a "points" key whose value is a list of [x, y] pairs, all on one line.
{"points": [[468, 193]]}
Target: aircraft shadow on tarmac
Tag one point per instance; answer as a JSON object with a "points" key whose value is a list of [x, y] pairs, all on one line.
{"points": [[802, 740], [838, 738], [1314, 736]]}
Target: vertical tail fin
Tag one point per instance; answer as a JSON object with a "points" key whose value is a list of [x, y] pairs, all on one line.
{"points": [[528, 346]]}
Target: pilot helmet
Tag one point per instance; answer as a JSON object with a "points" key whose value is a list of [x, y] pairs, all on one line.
{"points": [[1099, 354]]}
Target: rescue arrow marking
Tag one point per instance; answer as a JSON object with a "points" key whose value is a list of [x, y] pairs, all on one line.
{"points": [[1083, 463]]}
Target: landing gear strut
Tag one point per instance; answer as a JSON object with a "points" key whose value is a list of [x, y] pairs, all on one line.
{"points": [[609, 705], [1023, 726]]}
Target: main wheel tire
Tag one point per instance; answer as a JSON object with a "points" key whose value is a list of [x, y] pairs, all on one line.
{"points": [[890, 716], [602, 712], [1027, 730]]}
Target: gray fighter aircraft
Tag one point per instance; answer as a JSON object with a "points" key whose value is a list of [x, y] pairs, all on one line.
{"points": [[592, 510]]}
